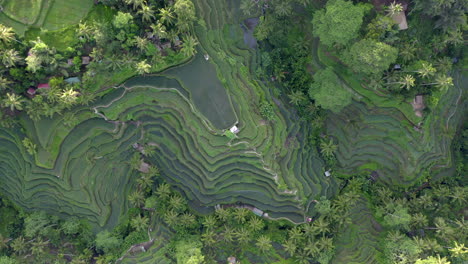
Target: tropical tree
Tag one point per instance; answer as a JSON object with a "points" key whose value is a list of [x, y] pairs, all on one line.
{"points": [[166, 16], [142, 67], [4, 242], [85, 31], [297, 97], [327, 148], [426, 70], [256, 224], [248, 7], [223, 214], [139, 223], [433, 260], [312, 248], [443, 82], [325, 243], [394, 8], [321, 226], [406, 82], [283, 8], [458, 250], [13, 101], [188, 46], [69, 97], [209, 238], [171, 218], [141, 43], [419, 220], [339, 22], [240, 215], [10, 57], [243, 235], [4, 83], [147, 13], [209, 221], [136, 3], [228, 234], [177, 203], [328, 91], [38, 247], [290, 247], [159, 30], [135, 161], [264, 243], [163, 191], [187, 220], [295, 234], [6, 34], [145, 181], [136, 198], [19, 245]]}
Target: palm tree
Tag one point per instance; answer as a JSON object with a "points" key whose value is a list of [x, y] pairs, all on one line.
{"points": [[443, 82], [139, 223], [295, 234], [419, 220], [38, 247], [394, 8], [171, 218], [407, 82], [459, 250], [159, 30], [243, 235], [264, 243], [177, 203], [240, 215], [312, 248], [223, 214], [256, 224], [209, 238], [4, 83], [114, 63], [10, 57], [142, 67], [85, 31], [296, 97], [163, 191], [166, 16], [283, 8], [188, 47], [309, 230], [69, 96], [325, 243], [228, 234], [135, 161], [248, 6], [4, 242], [187, 220], [302, 257], [426, 70], [147, 13], [141, 43], [136, 3], [443, 230], [433, 260], [6, 34], [321, 226], [136, 198], [13, 102], [145, 181], [327, 147], [19, 246], [290, 247], [209, 222]]}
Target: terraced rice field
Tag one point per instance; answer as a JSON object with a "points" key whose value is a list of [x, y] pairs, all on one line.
{"points": [[46, 14], [359, 242]]}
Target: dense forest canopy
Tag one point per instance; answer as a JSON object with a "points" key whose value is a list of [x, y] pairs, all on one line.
{"points": [[350, 143]]}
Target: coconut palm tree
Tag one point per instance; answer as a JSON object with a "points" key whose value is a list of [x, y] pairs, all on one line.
{"points": [[10, 57], [458, 250], [243, 235], [406, 82], [240, 215], [290, 247], [209, 222], [38, 247], [142, 67], [136, 3], [141, 43], [4, 242], [147, 13], [163, 191], [135, 161], [159, 30], [136, 198], [187, 220], [171, 218], [114, 63], [166, 16], [4, 83], [309, 230], [296, 234], [223, 214], [327, 148], [139, 223], [419, 220], [6, 34], [248, 7], [19, 246], [69, 96], [85, 31], [426, 70], [283, 8], [209, 238], [302, 257], [145, 182], [177, 203], [228, 234], [264, 243], [256, 224], [321, 226], [297, 97], [13, 101], [459, 195], [312, 248], [325, 244], [394, 8], [188, 47]]}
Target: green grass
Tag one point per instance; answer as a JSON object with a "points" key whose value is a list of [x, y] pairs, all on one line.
{"points": [[23, 11], [63, 13]]}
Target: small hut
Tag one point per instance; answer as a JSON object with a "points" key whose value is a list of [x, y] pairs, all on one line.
{"points": [[166, 45], [72, 80], [234, 129], [418, 105], [257, 212], [31, 91], [43, 86], [85, 60]]}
